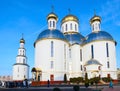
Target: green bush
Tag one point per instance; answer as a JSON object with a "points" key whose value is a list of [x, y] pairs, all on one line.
{"points": [[106, 79], [56, 89], [76, 88]]}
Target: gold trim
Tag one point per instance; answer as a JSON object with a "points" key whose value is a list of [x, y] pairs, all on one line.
{"points": [[95, 18]]}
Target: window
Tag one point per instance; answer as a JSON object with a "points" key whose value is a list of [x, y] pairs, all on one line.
{"points": [[24, 61], [92, 51], [53, 23], [107, 51], [81, 68], [66, 27], [70, 26], [52, 45], [64, 51], [70, 53], [80, 54], [51, 64], [108, 64], [75, 27], [50, 24], [18, 69]]}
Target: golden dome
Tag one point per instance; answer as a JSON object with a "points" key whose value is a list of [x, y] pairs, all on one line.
{"points": [[95, 18], [70, 18], [22, 41], [52, 15]]}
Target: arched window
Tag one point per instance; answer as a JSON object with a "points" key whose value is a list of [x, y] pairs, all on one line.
{"points": [[107, 50], [51, 64], [53, 23], [108, 64], [70, 26], [92, 51], [75, 27], [52, 50], [80, 54], [50, 23], [66, 27]]}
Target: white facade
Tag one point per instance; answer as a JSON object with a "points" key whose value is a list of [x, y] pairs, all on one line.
{"points": [[68, 52], [21, 68]]}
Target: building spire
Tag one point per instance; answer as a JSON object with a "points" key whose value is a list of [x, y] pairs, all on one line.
{"points": [[52, 8], [94, 12], [69, 11]]}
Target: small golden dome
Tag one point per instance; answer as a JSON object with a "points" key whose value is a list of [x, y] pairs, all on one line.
{"points": [[95, 18], [22, 41], [52, 15], [70, 18]]}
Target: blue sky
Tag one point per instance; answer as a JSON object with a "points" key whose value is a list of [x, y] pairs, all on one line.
{"points": [[29, 17]]}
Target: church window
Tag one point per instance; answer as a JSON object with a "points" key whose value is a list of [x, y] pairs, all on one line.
{"points": [[66, 27], [70, 26], [80, 54], [107, 51], [92, 51], [51, 64], [50, 23], [18, 69], [70, 53], [52, 45], [53, 23], [108, 64], [75, 27], [81, 68], [93, 26], [23, 60], [64, 51]]}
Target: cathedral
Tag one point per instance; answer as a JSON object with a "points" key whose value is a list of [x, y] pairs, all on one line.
{"points": [[66, 51]]}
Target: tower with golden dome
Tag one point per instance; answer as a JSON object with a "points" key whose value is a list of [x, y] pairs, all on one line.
{"points": [[21, 68]]}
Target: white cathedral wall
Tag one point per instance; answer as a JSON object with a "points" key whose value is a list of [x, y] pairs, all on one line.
{"points": [[43, 58], [75, 61], [100, 54], [20, 72]]}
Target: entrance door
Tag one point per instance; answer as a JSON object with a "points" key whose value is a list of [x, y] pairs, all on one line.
{"points": [[51, 77]]}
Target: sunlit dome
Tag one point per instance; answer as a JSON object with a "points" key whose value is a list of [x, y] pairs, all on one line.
{"points": [[95, 18], [52, 15], [70, 18], [22, 40]]}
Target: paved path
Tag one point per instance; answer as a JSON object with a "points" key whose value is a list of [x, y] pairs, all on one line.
{"points": [[111, 89]]}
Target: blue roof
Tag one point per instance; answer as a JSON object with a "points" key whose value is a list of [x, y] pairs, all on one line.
{"points": [[51, 34], [92, 61], [75, 38], [101, 35]]}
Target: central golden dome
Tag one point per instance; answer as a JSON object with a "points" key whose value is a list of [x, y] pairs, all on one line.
{"points": [[95, 18], [70, 18], [52, 15]]}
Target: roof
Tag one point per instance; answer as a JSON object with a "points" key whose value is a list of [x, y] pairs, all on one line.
{"points": [[92, 61], [100, 35], [52, 15], [74, 38], [70, 18], [48, 34]]}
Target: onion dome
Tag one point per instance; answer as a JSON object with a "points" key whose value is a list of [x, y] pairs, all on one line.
{"points": [[48, 34], [92, 62], [100, 35], [70, 18], [74, 38], [22, 40], [95, 18], [52, 15]]}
